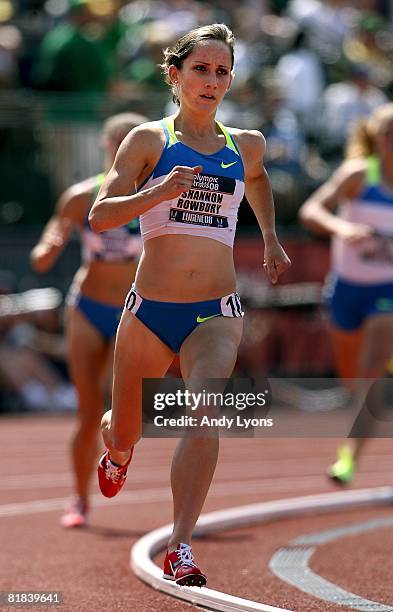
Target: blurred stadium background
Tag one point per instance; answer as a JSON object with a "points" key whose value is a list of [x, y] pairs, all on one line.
{"points": [[306, 71]]}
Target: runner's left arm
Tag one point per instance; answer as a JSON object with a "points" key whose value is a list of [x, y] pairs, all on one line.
{"points": [[260, 198]]}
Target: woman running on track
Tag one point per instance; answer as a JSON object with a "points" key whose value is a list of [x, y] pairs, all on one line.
{"points": [[360, 287], [94, 304], [185, 177]]}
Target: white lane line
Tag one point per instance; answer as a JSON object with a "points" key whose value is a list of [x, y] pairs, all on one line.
{"points": [[275, 468], [58, 503], [141, 496], [258, 467], [291, 564], [328, 535], [64, 480], [227, 472], [36, 481], [152, 543]]}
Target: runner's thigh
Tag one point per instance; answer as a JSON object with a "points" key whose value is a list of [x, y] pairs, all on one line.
{"points": [[211, 349], [87, 356], [139, 354]]}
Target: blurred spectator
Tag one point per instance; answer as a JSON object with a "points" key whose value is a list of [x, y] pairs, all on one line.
{"points": [[344, 103], [113, 48], [178, 16], [152, 26], [371, 45], [244, 106], [143, 70], [32, 355], [69, 58], [300, 77], [10, 44], [328, 23], [286, 153]]}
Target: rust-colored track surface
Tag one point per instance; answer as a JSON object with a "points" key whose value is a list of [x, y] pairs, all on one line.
{"points": [[91, 566]]}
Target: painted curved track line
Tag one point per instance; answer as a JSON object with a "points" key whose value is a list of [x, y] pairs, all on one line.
{"points": [[148, 546], [291, 564], [90, 566]]}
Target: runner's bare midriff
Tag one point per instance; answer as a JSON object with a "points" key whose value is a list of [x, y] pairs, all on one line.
{"points": [[184, 268], [107, 282]]}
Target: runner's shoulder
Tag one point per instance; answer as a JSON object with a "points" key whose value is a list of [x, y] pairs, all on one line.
{"points": [[75, 201], [147, 136], [352, 173], [252, 143]]}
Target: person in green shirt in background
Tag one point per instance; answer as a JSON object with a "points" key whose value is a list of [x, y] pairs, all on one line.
{"points": [[70, 59]]}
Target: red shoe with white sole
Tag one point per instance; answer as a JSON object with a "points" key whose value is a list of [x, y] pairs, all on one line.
{"points": [[179, 566], [111, 477]]}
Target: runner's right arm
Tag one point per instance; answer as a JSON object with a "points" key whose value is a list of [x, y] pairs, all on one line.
{"points": [[117, 202], [344, 184], [70, 210]]}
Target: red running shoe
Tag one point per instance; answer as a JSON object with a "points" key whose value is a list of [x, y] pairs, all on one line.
{"points": [[179, 566], [76, 514], [111, 477]]}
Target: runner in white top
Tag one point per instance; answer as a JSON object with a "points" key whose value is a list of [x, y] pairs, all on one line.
{"points": [[94, 305], [186, 268], [360, 287]]}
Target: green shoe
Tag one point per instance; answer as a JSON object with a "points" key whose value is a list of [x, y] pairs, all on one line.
{"points": [[343, 470]]}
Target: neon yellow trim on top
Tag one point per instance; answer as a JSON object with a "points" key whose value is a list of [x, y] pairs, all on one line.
{"points": [[100, 179], [229, 140], [373, 170], [170, 126]]}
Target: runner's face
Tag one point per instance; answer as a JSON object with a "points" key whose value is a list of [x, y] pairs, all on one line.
{"points": [[205, 76]]}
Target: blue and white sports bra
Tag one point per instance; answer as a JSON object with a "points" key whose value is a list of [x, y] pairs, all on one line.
{"points": [[369, 261], [209, 209], [117, 245]]}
